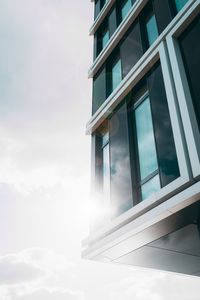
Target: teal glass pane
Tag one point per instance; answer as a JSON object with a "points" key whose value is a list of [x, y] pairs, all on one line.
{"points": [[152, 30], [180, 3], [150, 187], [126, 8], [105, 139], [105, 39], [145, 137], [106, 172], [116, 74]]}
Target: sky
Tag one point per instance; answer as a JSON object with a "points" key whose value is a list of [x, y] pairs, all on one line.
{"points": [[45, 102]]}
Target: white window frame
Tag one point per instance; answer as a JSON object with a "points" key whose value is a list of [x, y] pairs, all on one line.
{"points": [[182, 88]]}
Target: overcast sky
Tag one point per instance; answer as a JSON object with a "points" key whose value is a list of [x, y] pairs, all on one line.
{"points": [[45, 102]]}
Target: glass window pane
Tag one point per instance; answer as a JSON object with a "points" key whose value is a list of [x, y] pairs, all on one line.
{"points": [[121, 185], [131, 49], [126, 8], [180, 3], [150, 187], [152, 30], [106, 173], [99, 90], [97, 8], [145, 137], [105, 38], [112, 22], [190, 48], [116, 74], [166, 151], [163, 13]]}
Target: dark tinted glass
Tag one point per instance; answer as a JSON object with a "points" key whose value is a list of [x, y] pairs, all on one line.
{"points": [[148, 26], [131, 49], [166, 152], [163, 13], [179, 4], [121, 189], [97, 8], [190, 48], [99, 90], [112, 22]]}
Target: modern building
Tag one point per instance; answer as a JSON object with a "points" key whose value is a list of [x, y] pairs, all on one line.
{"points": [[145, 129]]}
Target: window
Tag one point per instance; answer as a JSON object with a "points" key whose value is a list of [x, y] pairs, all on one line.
{"points": [[138, 151], [148, 26], [121, 185], [131, 49], [104, 32], [164, 13], [179, 4], [190, 48], [153, 145], [99, 4], [151, 29], [106, 166], [97, 8], [126, 6], [99, 89], [105, 38], [146, 148], [116, 74]]}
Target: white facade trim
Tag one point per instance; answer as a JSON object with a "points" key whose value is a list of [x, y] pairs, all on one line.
{"points": [[129, 232]]}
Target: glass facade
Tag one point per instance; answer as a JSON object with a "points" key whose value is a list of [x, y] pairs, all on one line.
{"points": [[190, 48], [142, 156]]}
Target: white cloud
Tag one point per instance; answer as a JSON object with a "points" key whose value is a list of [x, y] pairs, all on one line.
{"points": [[14, 269], [44, 293]]}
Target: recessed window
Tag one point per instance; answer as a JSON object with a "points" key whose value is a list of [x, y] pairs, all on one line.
{"points": [[146, 147], [99, 89], [179, 4], [116, 73], [105, 38], [152, 30]]}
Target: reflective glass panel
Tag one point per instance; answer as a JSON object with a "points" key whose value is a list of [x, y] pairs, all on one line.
{"points": [[190, 48], [162, 10], [152, 30], [116, 74], [121, 185], [166, 151], [150, 187], [106, 172], [97, 8], [99, 90], [126, 8], [145, 137], [131, 49], [180, 3], [105, 38]]}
